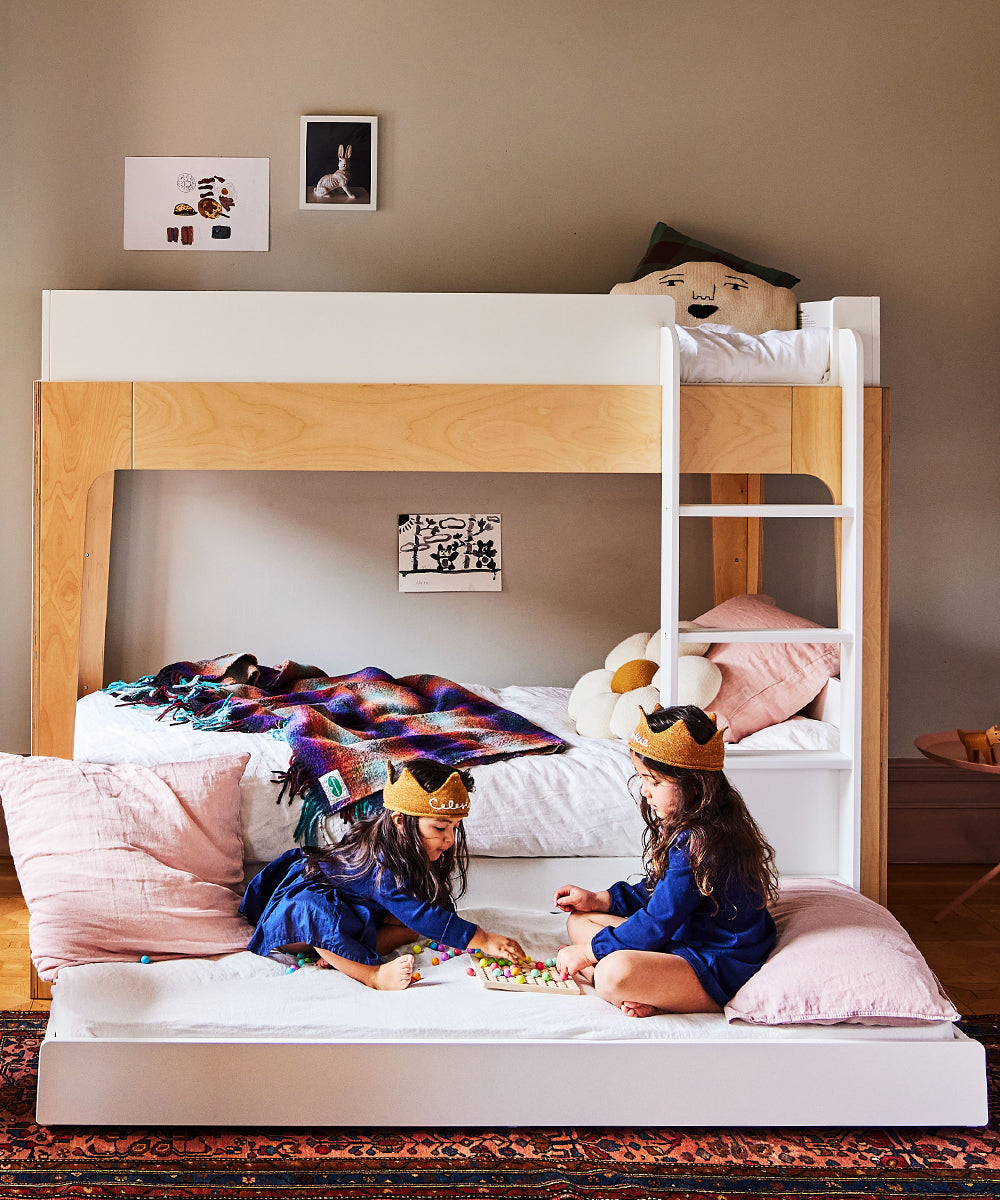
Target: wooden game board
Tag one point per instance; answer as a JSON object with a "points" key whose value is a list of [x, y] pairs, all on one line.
{"points": [[533, 984]]}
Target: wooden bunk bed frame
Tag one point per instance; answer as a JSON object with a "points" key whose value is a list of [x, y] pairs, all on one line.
{"points": [[88, 429]]}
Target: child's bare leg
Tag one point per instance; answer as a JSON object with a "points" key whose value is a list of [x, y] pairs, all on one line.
{"points": [[394, 976], [391, 936], [644, 982], [581, 927]]}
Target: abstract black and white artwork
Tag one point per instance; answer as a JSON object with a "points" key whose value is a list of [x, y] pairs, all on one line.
{"points": [[449, 552]]}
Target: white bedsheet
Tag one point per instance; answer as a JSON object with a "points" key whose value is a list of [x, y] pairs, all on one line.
{"points": [[247, 997]]}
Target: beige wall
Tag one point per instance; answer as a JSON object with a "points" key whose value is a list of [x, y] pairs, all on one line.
{"points": [[532, 146]]}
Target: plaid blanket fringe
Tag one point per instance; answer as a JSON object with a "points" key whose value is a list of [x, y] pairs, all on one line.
{"points": [[342, 729]]}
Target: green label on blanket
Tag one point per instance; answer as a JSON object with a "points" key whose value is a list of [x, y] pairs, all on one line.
{"points": [[334, 786]]}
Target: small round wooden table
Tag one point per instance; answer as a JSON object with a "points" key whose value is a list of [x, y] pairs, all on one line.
{"points": [[947, 748]]}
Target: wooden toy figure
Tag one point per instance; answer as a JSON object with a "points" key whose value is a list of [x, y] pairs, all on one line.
{"points": [[338, 178], [979, 741]]}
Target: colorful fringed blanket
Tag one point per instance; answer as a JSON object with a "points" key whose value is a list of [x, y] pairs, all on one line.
{"points": [[342, 729]]}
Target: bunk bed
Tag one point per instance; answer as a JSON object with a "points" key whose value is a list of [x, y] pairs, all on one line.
{"points": [[463, 383]]}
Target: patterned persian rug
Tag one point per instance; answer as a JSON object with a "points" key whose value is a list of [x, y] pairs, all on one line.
{"points": [[529, 1164]]}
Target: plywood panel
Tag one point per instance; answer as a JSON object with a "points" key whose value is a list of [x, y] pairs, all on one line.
{"points": [[732, 430], [96, 568], [875, 632], [737, 542], [387, 427], [816, 436], [83, 430]]}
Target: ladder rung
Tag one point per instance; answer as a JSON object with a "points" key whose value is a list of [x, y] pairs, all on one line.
{"points": [[821, 635], [765, 510]]}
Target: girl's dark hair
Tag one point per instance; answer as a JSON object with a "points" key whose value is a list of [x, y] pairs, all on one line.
{"points": [[379, 843], [726, 847]]}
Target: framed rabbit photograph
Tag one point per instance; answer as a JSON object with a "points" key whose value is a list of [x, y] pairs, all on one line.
{"points": [[338, 163]]}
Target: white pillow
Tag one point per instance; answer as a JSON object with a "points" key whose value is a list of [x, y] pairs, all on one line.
{"points": [[592, 684], [698, 681], [797, 733], [595, 715], [625, 716], [683, 648], [627, 651]]}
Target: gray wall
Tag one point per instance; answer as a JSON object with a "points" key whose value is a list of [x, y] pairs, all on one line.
{"points": [[532, 147]]}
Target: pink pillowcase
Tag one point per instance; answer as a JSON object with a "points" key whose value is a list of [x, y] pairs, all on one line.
{"points": [[840, 957], [764, 682], [117, 862]]}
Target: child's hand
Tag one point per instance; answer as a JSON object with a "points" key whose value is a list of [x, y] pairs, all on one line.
{"points": [[498, 945], [573, 959], [571, 898]]}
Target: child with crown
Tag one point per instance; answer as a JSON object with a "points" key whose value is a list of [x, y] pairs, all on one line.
{"points": [[395, 876], [689, 935]]}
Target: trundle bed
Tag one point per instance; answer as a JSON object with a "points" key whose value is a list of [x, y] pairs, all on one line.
{"points": [[465, 383]]}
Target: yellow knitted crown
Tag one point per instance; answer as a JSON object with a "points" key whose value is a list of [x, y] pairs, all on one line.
{"points": [[405, 795], [675, 747]]}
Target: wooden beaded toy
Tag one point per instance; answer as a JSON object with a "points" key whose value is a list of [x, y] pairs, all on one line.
{"points": [[504, 975]]}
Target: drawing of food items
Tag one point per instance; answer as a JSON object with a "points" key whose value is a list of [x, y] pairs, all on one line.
{"points": [[216, 198]]}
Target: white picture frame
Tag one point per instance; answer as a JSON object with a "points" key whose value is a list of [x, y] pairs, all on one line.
{"points": [[338, 164]]}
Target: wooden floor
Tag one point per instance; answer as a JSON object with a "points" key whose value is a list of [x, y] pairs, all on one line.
{"points": [[14, 988], [963, 950]]}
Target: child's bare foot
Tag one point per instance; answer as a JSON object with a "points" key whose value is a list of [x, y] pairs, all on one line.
{"points": [[587, 974], [395, 975], [632, 1008]]}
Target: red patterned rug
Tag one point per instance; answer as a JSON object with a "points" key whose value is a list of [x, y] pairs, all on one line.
{"points": [[554, 1164]]}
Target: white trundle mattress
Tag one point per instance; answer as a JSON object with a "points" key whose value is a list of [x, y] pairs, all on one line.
{"points": [[246, 997]]}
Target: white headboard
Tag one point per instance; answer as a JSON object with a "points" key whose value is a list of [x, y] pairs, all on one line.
{"points": [[861, 313]]}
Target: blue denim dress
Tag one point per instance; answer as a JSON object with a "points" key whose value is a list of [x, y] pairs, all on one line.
{"points": [[286, 908], [725, 947]]}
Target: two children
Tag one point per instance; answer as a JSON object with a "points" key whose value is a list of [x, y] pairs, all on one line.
{"points": [[684, 939]]}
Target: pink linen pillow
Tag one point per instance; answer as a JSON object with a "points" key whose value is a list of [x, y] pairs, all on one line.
{"points": [[117, 862], [764, 682], [840, 958]]}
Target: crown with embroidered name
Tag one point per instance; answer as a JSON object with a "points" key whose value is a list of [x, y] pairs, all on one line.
{"points": [[675, 747], [405, 795]]}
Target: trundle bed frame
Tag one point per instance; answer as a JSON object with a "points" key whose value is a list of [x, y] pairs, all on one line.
{"points": [[380, 382]]}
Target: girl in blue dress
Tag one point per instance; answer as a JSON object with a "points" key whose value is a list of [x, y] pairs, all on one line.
{"points": [[394, 877], [696, 928]]}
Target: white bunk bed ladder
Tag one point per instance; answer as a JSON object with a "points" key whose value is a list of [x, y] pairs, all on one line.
{"points": [[811, 770]]}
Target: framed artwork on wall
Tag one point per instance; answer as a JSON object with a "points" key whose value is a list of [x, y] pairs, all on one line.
{"points": [[449, 552], [338, 163]]}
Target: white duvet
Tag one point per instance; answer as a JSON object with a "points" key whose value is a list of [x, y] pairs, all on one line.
{"points": [[578, 801], [723, 354]]}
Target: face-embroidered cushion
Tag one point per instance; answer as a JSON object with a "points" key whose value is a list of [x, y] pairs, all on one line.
{"points": [[118, 862], [713, 285]]}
